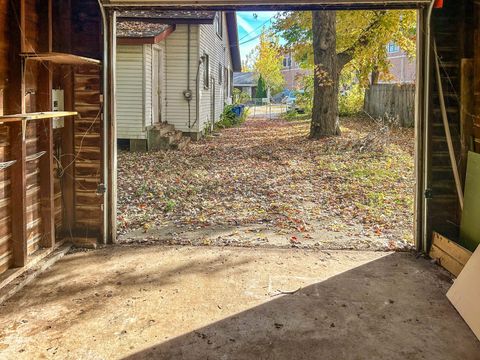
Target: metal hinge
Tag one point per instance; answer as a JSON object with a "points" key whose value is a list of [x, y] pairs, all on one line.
{"points": [[428, 193], [101, 189]]}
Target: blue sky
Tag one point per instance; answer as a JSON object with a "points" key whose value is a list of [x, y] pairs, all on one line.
{"points": [[250, 27]]}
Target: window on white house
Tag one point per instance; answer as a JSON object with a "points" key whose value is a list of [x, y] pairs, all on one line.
{"points": [[206, 71], [219, 24], [392, 47]]}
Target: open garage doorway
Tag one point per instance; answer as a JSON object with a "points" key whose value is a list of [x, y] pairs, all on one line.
{"points": [[253, 180], [249, 302]]}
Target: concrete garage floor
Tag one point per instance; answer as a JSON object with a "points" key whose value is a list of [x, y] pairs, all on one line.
{"points": [[225, 303]]}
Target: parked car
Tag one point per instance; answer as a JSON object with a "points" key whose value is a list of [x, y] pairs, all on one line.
{"points": [[291, 102]]}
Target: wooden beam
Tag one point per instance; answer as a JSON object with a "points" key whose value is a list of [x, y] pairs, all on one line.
{"points": [[45, 129], [21, 13], [18, 185], [15, 103], [47, 192], [13, 95], [45, 31], [68, 151]]}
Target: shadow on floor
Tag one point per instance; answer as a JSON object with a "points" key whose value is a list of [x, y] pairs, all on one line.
{"points": [[391, 308]]}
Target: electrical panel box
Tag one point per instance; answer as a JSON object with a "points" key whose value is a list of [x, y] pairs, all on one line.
{"points": [[58, 104]]}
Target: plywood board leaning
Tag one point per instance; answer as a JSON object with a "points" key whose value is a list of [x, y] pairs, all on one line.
{"points": [[465, 293]]}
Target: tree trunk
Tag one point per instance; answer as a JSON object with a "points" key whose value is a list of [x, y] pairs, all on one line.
{"points": [[326, 76]]}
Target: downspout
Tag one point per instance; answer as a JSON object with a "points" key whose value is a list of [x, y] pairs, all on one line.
{"points": [[106, 113], [426, 136], [197, 92], [189, 99]]}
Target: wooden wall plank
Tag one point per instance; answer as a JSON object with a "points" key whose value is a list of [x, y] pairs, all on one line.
{"points": [[449, 254], [45, 129], [18, 184]]}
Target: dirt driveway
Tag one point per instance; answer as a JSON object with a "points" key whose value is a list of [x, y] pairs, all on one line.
{"points": [[266, 184]]}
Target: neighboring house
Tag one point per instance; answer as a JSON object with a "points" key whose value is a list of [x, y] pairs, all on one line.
{"points": [[292, 73], [402, 69], [175, 68], [246, 82]]}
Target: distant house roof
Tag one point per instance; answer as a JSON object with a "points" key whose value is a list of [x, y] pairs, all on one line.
{"points": [[138, 32], [151, 26], [244, 79], [139, 29], [168, 17]]}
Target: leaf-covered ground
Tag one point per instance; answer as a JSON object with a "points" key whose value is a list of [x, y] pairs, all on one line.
{"points": [[265, 183]]}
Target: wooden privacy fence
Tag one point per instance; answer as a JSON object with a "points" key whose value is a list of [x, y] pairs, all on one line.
{"points": [[392, 100]]}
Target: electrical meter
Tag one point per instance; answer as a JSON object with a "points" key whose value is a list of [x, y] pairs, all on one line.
{"points": [[58, 105]]}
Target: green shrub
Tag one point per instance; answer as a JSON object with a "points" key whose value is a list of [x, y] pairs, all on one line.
{"points": [[261, 88], [240, 97], [293, 115], [230, 119], [305, 99], [351, 102]]}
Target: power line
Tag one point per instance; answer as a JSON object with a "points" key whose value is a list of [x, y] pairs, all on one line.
{"points": [[247, 41], [255, 30]]}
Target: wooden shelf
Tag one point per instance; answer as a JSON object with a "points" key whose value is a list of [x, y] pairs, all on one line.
{"points": [[7, 164], [60, 58], [36, 116], [36, 156]]}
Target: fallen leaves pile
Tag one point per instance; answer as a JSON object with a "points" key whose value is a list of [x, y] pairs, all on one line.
{"points": [[269, 172]]}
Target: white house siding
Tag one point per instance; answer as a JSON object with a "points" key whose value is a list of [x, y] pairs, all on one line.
{"points": [[130, 94], [219, 52], [176, 107]]}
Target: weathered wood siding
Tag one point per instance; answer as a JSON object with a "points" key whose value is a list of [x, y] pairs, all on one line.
{"points": [[76, 167], [88, 146], [219, 52], [131, 92], [176, 50], [34, 218], [5, 186], [392, 100], [5, 203]]}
